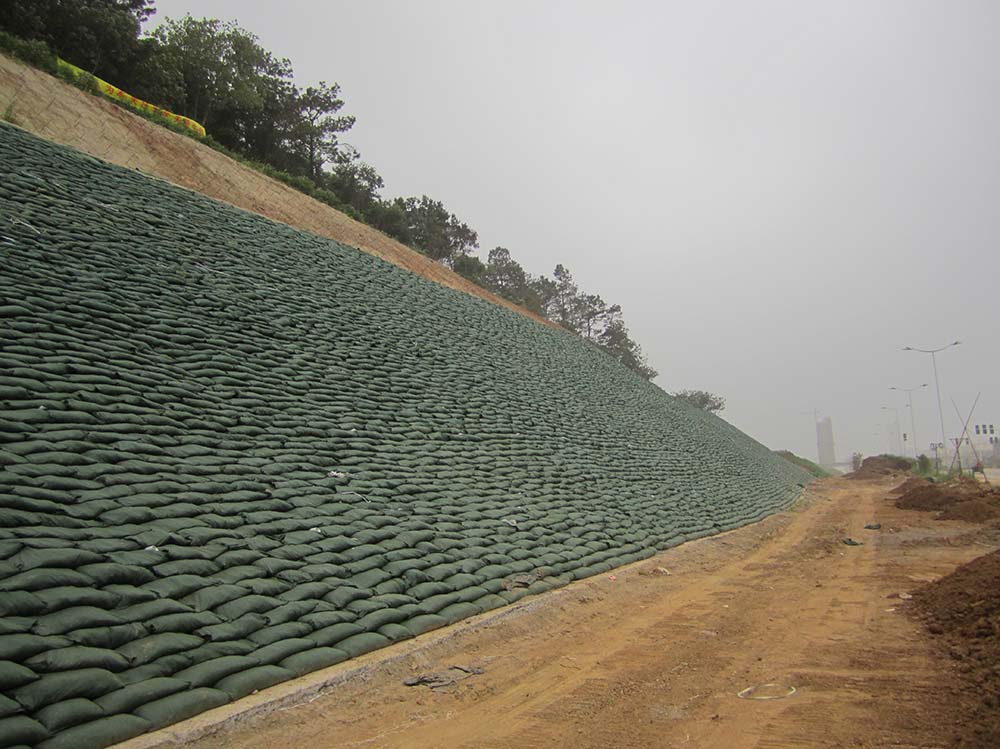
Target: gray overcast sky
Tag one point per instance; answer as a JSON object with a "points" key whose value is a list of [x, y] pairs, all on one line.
{"points": [[780, 194]]}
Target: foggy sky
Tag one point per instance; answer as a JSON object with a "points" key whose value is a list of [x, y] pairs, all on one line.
{"points": [[781, 195]]}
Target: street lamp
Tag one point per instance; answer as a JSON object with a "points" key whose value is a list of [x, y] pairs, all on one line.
{"points": [[909, 404], [937, 386], [899, 441]]}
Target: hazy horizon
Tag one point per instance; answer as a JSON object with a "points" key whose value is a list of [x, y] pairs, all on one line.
{"points": [[780, 195]]}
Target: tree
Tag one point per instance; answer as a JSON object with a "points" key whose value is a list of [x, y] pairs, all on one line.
{"points": [[228, 82], [317, 125], [100, 36], [617, 342], [701, 399], [470, 267], [435, 231]]}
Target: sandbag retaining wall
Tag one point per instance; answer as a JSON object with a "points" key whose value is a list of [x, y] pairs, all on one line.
{"points": [[232, 453]]}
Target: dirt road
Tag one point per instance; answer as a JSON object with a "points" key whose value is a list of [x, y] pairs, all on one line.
{"points": [[642, 658]]}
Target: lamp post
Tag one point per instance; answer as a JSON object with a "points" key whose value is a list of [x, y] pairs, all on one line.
{"points": [[899, 440], [937, 386], [909, 404]]}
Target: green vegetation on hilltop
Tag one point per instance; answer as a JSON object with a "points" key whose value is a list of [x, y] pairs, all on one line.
{"points": [[805, 464], [218, 74]]}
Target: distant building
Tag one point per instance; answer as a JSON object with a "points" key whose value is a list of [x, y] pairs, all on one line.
{"points": [[824, 443], [981, 444]]}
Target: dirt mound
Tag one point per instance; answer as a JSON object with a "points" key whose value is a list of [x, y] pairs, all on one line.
{"points": [[964, 610], [911, 483], [973, 511], [956, 499], [879, 466]]}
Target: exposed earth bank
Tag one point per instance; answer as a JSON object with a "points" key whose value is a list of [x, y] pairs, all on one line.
{"points": [[657, 654]]}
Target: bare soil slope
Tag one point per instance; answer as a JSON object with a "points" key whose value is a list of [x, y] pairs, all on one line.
{"points": [[642, 658], [56, 111]]}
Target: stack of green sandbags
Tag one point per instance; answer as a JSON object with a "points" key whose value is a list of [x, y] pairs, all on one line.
{"points": [[232, 453]]}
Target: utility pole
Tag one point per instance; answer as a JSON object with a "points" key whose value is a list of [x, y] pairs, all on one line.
{"points": [[937, 385], [913, 421]]}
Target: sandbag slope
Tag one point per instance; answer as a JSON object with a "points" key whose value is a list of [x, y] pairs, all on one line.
{"points": [[232, 453]]}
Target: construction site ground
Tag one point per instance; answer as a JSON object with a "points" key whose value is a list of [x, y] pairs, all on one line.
{"points": [[657, 654]]}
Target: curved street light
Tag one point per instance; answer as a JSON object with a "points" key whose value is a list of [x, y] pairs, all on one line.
{"points": [[909, 405], [937, 386]]}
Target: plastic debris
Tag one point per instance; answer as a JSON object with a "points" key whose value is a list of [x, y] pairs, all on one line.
{"points": [[852, 542], [768, 691]]}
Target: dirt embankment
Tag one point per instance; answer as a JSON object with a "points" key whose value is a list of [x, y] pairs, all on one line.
{"points": [[55, 110], [880, 466], [956, 499], [963, 610]]}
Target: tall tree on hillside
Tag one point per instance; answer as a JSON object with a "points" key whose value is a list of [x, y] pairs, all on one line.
{"points": [[617, 342], [505, 276], [228, 82], [435, 231], [317, 126], [701, 399], [356, 183]]}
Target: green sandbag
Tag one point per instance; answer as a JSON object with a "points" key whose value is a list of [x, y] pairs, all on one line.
{"points": [[108, 637], [77, 656], [290, 611], [14, 675], [212, 596], [328, 636], [247, 605], [376, 619], [51, 688], [20, 729], [279, 632], [20, 603], [150, 648], [68, 713], [313, 660], [424, 623], [254, 679], [185, 622], [21, 646], [209, 672], [131, 696], [75, 617], [62, 598], [98, 734], [142, 612], [43, 578], [234, 630], [363, 643], [9, 707], [106, 573], [457, 611], [278, 651], [177, 707], [395, 632]]}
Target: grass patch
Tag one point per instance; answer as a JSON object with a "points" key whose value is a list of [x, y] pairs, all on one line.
{"points": [[807, 465]]}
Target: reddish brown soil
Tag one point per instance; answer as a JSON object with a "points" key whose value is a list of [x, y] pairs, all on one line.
{"points": [[963, 610], [956, 499], [911, 483]]}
